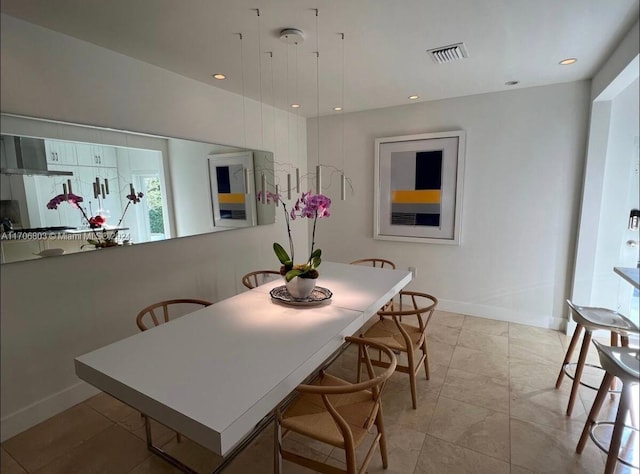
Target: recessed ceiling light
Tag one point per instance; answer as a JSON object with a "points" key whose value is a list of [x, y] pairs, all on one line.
{"points": [[220, 77], [511, 83], [566, 62], [337, 109], [295, 106], [414, 97]]}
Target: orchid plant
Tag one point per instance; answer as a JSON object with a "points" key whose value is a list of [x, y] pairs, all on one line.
{"points": [[97, 222], [310, 206]]}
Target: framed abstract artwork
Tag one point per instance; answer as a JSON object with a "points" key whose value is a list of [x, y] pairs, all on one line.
{"points": [[418, 187]]}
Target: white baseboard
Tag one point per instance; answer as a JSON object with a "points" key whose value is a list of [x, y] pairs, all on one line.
{"points": [[25, 418], [502, 314]]}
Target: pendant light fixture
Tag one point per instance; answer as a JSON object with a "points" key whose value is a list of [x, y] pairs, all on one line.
{"points": [[292, 36], [343, 182], [318, 167]]}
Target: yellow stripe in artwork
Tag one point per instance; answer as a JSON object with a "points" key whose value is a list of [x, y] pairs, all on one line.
{"points": [[231, 198], [418, 196]]}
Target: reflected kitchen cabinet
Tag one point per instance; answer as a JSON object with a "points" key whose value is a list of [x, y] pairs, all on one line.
{"points": [[60, 152], [95, 155]]}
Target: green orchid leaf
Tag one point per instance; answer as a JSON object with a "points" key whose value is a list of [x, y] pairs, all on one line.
{"points": [[315, 257], [282, 254], [291, 274]]}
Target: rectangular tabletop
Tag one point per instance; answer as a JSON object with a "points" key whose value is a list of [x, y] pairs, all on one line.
{"points": [[215, 373]]}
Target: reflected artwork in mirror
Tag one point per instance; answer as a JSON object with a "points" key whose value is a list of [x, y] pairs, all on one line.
{"points": [[68, 188]]}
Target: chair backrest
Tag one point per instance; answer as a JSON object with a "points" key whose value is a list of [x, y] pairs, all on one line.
{"points": [[150, 311], [420, 305], [375, 262], [257, 278], [375, 384]]}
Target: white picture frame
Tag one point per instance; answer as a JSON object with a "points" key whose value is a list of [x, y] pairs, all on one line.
{"points": [[418, 187]]}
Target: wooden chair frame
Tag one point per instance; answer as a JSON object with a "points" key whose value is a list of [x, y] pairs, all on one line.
{"points": [[423, 315], [375, 385], [375, 262], [151, 310], [250, 280]]}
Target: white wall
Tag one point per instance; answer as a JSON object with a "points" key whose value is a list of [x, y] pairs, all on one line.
{"points": [[615, 77], [619, 196], [524, 158], [56, 309]]}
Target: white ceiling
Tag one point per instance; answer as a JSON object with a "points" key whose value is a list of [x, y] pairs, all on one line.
{"points": [[384, 49]]}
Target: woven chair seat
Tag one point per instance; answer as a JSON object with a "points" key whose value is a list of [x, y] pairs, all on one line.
{"points": [[386, 332], [308, 415]]}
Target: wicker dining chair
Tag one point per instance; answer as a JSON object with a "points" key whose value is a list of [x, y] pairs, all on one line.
{"points": [[150, 311], [375, 262], [339, 413], [393, 331], [257, 278], [378, 263]]}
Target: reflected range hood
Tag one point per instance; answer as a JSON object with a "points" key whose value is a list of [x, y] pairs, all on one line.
{"points": [[26, 156]]}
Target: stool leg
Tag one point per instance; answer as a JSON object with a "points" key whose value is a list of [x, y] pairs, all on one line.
{"points": [[614, 343], [567, 357], [616, 437], [579, 367], [595, 409]]}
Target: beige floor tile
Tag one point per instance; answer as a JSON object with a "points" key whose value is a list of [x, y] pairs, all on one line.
{"points": [[490, 364], [532, 374], [110, 407], [112, 451], [535, 335], [520, 470], [551, 354], [55, 437], [477, 389], [476, 428], [154, 465], [192, 454], [403, 449], [444, 334], [486, 326], [439, 353], [8, 465], [398, 412], [498, 345], [446, 318], [160, 434], [442, 457], [543, 449], [546, 406]]}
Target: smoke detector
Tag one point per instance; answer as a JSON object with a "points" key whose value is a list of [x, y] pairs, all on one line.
{"points": [[292, 36], [447, 54]]}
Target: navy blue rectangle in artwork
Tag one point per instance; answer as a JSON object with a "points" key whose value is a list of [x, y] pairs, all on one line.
{"points": [[222, 176], [429, 169], [428, 220]]}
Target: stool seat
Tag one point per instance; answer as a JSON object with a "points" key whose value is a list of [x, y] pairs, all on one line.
{"points": [[591, 319], [621, 362], [602, 318]]}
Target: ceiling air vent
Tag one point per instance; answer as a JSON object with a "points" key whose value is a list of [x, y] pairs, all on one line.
{"points": [[446, 54]]}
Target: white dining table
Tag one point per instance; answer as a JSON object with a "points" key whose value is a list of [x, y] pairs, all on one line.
{"points": [[214, 374]]}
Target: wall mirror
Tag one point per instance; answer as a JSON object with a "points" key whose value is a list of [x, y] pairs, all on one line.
{"points": [[69, 188]]}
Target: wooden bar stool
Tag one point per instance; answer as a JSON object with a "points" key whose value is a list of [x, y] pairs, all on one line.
{"points": [[623, 363], [591, 319]]}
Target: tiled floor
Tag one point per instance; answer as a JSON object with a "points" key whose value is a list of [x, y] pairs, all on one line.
{"points": [[490, 407]]}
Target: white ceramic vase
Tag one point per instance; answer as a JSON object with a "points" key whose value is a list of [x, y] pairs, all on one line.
{"points": [[300, 288]]}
